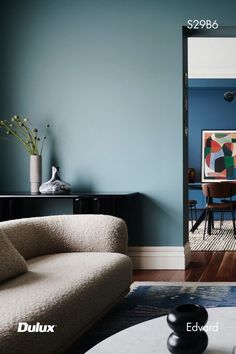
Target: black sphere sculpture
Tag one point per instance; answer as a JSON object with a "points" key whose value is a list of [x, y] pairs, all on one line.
{"points": [[186, 322], [229, 96]]}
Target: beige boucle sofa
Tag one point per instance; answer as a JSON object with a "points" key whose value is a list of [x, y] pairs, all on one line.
{"points": [[77, 269]]}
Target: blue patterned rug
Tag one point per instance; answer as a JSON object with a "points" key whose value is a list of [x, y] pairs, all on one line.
{"points": [[146, 302]]}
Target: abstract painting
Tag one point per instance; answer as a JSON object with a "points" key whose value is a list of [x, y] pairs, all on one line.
{"points": [[218, 155]]}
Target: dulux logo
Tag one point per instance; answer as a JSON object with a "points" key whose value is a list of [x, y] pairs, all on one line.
{"points": [[25, 327]]}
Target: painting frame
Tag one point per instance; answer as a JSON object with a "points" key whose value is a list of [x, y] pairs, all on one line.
{"points": [[218, 155]]}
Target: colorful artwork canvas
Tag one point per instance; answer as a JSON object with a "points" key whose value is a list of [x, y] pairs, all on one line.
{"points": [[218, 155]]}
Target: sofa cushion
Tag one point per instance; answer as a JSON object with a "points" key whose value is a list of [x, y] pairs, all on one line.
{"points": [[11, 262], [68, 290]]}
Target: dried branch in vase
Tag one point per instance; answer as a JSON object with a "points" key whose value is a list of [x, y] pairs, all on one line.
{"points": [[25, 133]]}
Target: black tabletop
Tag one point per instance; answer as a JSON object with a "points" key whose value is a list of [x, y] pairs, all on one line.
{"points": [[71, 195]]}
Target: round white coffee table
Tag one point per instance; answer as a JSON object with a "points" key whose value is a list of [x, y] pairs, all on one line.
{"points": [[150, 337]]}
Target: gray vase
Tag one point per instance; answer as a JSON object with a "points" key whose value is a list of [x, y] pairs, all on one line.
{"points": [[55, 185]]}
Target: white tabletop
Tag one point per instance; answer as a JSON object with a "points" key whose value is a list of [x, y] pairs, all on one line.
{"points": [[150, 337]]}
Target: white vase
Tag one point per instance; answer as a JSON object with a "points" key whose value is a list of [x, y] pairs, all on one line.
{"points": [[35, 173]]}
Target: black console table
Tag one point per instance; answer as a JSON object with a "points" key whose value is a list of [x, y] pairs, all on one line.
{"points": [[83, 203]]}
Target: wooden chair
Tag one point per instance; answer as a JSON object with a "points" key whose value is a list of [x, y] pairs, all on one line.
{"points": [[225, 201], [221, 190]]}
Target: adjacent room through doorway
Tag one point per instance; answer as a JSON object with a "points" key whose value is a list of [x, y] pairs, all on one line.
{"points": [[211, 142]]}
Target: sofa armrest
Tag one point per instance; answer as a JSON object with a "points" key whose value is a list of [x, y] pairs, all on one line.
{"points": [[67, 233], [96, 233]]}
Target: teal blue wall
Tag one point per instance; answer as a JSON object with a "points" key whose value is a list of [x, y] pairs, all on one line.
{"points": [[106, 75]]}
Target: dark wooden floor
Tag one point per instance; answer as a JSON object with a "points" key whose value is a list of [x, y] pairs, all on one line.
{"points": [[204, 266]]}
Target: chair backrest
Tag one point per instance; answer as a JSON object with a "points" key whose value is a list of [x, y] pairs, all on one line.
{"points": [[219, 189]]}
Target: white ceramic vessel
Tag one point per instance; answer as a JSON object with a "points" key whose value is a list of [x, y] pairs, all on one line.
{"points": [[35, 173], [55, 185]]}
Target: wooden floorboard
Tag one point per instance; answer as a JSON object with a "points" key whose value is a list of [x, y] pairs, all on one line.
{"points": [[212, 268], [204, 267], [199, 263], [227, 269]]}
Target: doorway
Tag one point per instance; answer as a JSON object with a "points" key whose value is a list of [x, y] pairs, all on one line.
{"points": [[209, 64]]}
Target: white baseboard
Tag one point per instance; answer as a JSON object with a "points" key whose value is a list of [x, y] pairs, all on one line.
{"points": [[160, 257]]}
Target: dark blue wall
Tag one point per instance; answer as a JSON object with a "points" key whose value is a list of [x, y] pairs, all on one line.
{"points": [[208, 110]]}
